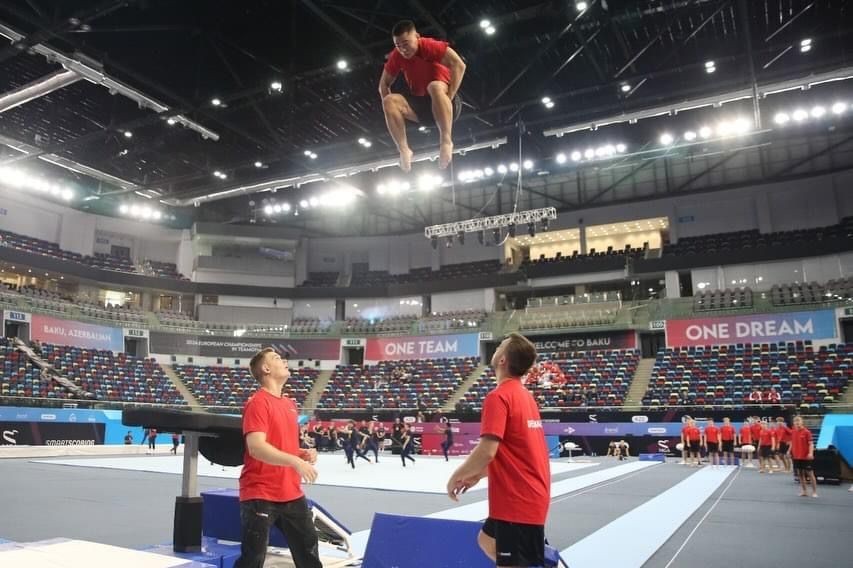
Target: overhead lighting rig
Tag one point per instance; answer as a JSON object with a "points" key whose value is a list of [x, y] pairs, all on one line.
{"points": [[497, 222]]}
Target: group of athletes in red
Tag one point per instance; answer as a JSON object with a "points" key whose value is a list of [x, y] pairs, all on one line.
{"points": [[778, 446]]}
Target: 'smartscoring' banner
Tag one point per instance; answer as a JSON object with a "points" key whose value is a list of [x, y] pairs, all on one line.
{"points": [[759, 328]]}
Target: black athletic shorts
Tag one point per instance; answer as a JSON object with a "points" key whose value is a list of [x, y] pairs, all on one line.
{"points": [[517, 544], [694, 447], [728, 446], [423, 107], [765, 451], [713, 447], [783, 448], [803, 465]]}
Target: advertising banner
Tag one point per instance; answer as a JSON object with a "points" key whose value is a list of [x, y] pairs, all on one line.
{"points": [[242, 347], [625, 339], [77, 334], [422, 347], [51, 434], [757, 328]]}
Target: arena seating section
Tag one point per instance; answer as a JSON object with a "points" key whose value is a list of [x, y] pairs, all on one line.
{"points": [[373, 278], [20, 378], [567, 379], [728, 375], [738, 240], [110, 377], [727, 299], [98, 260], [224, 386], [811, 292], [396, 384], [320, 280], [576, 256]]}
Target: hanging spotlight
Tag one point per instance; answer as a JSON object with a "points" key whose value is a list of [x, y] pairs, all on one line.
{"points": [[276, 86], [342, 64], [576, 156], [690, 136], [625, 87], [433, 240], [461, 236], [511, 230], [705, 132], [546, 224], [666, 139], [496, 235], [581, 6], [781, 118], [561, 158], [531, 229], [448, 243], [481, 237], [502, 169], [839, 108]]}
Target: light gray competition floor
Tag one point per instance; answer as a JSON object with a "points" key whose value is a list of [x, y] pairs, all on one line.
{"points": [[604, 513]]}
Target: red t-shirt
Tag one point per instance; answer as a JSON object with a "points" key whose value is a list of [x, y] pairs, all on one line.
{"points": [[766, 437], [746, 434], [278, 419], [520, 474], [712, 434], [755, 428], [423, 68], [692, 434], [727, 433], [801, 440], [783, 433]]}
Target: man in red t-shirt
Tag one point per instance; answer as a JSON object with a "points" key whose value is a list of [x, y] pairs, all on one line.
{"points": [[711, 442], [745, 439], [755, 428], [727, 441], [766, 447], [783, 443], [802, 452], [513, 454], [273, 467], [433, 73], [693, 443]]}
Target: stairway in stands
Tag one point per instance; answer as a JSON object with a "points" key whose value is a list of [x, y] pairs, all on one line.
{"points": [[640, 382], [469, 381], [192, 401], [317, 389]]}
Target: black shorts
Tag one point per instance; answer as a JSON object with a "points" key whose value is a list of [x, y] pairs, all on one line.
{"points": [[694, 447], [728, 446], [783, 448], [765, 451], [423, 107], [803, 465], [713, 447], [517, 544]]}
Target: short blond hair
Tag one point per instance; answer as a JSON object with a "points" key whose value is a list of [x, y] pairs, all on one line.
{"points": [[257, 361]]}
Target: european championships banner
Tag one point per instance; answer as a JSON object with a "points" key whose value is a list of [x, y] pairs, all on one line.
{"points": [[422, 347], [67, 332], [242, 347], [759, 328]]}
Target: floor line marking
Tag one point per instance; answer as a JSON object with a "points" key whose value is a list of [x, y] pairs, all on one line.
{"points": [[702, 520]]}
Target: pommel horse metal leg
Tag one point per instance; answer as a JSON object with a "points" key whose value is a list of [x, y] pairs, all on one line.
{"points": [[186, 533]]}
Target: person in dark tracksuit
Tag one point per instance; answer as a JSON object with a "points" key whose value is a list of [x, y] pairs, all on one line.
{"points": [[448, 441], [348, 441], [373, 442], [359, 439], [407, 446]]}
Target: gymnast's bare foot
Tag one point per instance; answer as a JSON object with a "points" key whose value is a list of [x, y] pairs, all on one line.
{"points": [[406, 159], [445, 154]]}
